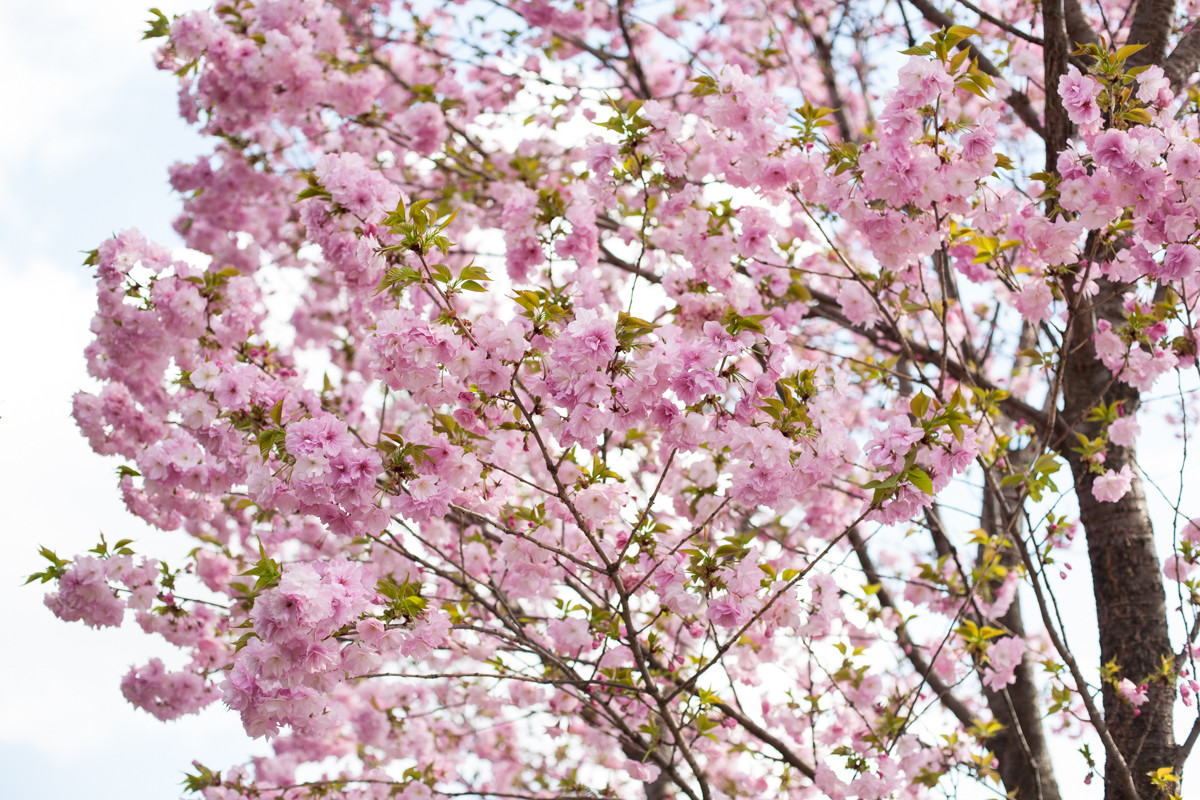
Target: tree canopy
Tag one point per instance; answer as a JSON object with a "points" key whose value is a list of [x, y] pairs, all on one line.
{"points": [[662, 399]]}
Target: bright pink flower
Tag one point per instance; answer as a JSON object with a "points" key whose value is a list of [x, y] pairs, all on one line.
{"points": [[166, 695], [1115, 150], [1110, 349], [84, 594], [1131, 692], [1078, 94], [1180, 262], [921, 80]]}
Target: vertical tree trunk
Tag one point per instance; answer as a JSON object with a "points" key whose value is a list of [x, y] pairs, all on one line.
{"points": [[1057, 125], [1126, 574]]}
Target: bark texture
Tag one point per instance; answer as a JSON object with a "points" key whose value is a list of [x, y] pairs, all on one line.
{"points": [[1054, 51], [1151, 26], [1126, 574], [1184, 59]]}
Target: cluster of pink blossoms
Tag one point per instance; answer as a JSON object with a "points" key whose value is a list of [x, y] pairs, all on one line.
{"points": [[86, 591], [458, 539], [282, 675]]}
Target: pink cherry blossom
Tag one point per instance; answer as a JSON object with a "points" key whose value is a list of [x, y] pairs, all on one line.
{"points": [[576, 398], [1079, 98], [1112, 485]]}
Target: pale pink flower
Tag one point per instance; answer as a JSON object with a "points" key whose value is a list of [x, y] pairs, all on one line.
{"points": [[1177, 568], [857, 304], [725, 612], [1123, 432], [1133, 693], [1004, 656], [1112, 485], [1033, 301], [1152, 84]]}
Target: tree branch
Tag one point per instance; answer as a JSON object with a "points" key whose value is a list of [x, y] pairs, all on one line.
{"points": [[828, 75], [1021, 748], [1058, 125], [1079, 30], [999, 23], [1018, 101], [1017, 409], [944, 693], [765, 736], [631, 58], [1151, 25], [1184, 59]]}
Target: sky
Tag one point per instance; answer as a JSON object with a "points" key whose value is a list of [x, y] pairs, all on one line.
{"points": [[90, 129]]}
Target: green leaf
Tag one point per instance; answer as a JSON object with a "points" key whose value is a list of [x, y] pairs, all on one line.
{"points": [[956, 33], [1138, 115], [267, 440], [312, 191], [957, 62], [1125, 52], [446, 223], [267, 571], [396, 217], [1046, 464], [705, 85], [920, 479], [890, 483], [968, 85], [277, 412], [473, 273], [918, 405], [204, 778], [57, 567], [157, 26]]}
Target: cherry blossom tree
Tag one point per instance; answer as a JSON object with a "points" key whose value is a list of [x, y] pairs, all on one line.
{"points": [[666, 400]]}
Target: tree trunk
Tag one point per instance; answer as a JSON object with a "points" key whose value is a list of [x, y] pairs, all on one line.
{"points": [[1126, 574]]}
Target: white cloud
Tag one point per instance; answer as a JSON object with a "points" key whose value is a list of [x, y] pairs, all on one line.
{"points": [[67, 65]]}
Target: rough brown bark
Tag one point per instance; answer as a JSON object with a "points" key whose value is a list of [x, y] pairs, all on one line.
{"points": [[1151, 26], [1126, 574], [1058, 125], [1079, 30], [1184, 59]]}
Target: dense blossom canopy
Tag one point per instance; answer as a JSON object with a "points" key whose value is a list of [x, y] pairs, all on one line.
{"points": [[565, 398]]}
